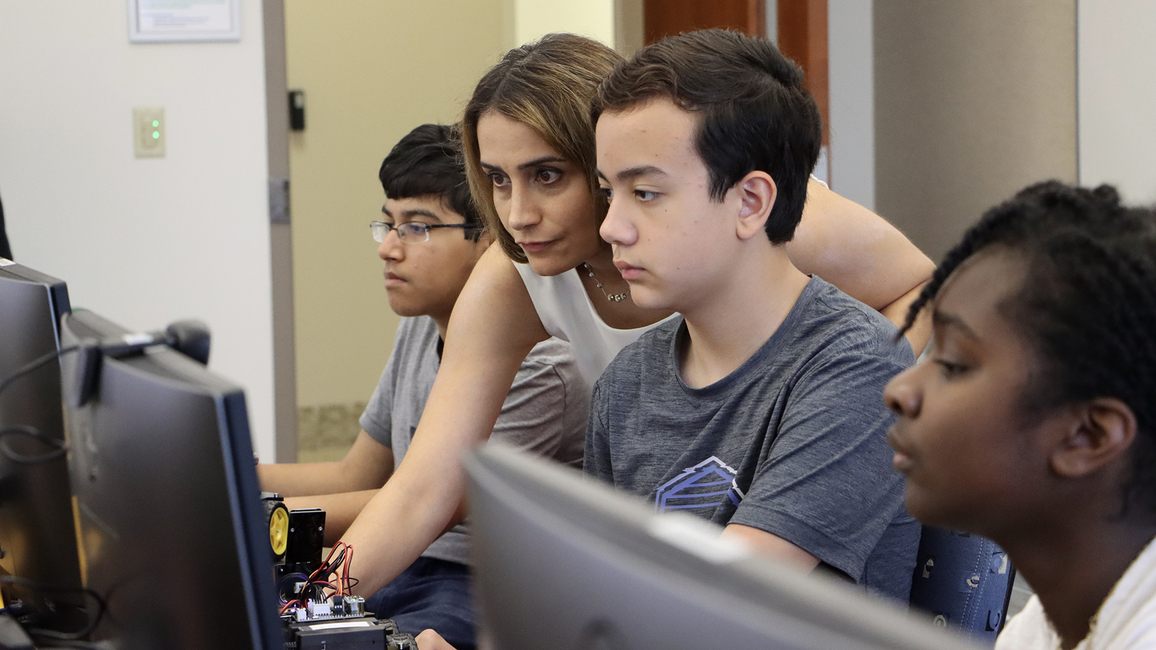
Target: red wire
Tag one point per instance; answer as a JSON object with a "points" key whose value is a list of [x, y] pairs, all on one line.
{"points": [[331, 573], [346, 588]]}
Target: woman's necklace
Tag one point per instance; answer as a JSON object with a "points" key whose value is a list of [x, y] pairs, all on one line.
{"points": [[612, 297]]}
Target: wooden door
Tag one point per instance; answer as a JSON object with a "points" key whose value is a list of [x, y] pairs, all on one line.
{"points": [[802, 30], [668, 17]]}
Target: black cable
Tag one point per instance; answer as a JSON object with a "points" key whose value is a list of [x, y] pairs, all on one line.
{"points": [[36, 363], [52, 635], [54, 638], [59, 451], [20, 429]]}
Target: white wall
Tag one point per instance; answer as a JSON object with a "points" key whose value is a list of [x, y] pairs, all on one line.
{"points": [[1117, 95], [771, 15], [142, 241], [851, 102]]}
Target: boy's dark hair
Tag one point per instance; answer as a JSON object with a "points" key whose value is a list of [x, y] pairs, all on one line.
{"points": [[754, 111], [1086, 307], [428, 162]]}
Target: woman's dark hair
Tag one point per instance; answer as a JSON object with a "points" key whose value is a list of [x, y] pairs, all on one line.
{"points": [[1086, 307]]}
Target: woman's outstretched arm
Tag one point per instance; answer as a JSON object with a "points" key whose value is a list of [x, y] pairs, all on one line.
{"points": [[492, 329], [859, 252]]}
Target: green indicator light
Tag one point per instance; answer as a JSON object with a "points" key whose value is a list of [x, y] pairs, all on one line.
{"points": [[156, 135], [156, 124]]}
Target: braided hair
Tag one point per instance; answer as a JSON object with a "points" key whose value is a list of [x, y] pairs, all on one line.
{"points": [[1086, 307]]}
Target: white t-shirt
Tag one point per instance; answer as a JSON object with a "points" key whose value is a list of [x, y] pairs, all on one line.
{"points": [[1126, 620], [565, 310]]}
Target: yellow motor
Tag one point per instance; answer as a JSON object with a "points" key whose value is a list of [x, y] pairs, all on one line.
{"points": [[278, 526]]}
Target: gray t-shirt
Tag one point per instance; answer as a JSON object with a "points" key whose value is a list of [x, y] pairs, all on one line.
{"points": [[545, 411], [793, 442]]}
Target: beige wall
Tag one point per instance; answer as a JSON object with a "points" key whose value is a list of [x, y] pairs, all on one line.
{"points": [[973, 100], [371, 71], [593, 18]]}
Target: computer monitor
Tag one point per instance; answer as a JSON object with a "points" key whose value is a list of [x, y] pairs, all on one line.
{"points": [[562, 561], [173, 534], [37, 538]]}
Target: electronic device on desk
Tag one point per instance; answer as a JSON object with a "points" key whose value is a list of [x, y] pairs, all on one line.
{"points": [[171, 528], [40, 583], [365, 633], [297, 538], [563, 561], [318, 609], [324, 592]]}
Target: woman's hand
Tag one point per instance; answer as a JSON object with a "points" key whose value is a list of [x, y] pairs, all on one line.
{"points": [[430, 640]]}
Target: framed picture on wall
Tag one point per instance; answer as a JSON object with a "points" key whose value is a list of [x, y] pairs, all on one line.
{"points": [[161, 21]]}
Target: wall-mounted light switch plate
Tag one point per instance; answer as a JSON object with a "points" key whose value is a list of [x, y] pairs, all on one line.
{"points": [[148, 130]]}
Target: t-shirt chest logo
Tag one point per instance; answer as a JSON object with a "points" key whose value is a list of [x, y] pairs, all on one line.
{"points": [[707, 485]]}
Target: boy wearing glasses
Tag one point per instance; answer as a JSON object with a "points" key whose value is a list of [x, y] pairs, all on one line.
{"points": [[430, 237]]}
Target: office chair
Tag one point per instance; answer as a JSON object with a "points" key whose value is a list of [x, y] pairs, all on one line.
{"points": [[964, 581]]}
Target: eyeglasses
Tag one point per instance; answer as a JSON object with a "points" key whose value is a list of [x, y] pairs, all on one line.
{"points": [[412, 231]]}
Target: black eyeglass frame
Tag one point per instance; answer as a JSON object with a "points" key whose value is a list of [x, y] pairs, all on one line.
{"points": [[375, 227]]}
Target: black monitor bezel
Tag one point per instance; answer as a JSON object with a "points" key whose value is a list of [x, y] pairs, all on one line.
{"points": [[170, 370], [48, 571]]}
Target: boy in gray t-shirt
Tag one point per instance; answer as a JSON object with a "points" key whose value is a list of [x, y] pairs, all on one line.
{"points": [[791, 443], [761, 409]]}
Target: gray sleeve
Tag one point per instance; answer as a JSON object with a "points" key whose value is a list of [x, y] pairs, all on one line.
{"points": [[545, 410], [377, 419], [596, 459], [828, 486]]}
